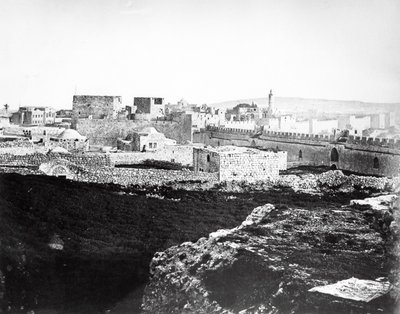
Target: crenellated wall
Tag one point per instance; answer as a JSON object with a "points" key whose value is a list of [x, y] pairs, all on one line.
{"points": [[358, 154]]}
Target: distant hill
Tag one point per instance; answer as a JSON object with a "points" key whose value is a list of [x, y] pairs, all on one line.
{"points": [[317, 107]]}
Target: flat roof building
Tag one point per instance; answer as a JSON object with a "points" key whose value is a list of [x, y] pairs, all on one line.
{"points": [[239, 163]]}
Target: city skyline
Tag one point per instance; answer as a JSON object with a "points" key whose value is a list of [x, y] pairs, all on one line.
{"points": [[205, 52]]}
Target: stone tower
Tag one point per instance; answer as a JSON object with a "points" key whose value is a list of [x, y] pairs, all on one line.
{"points": [[270, 99], [270, 109]]}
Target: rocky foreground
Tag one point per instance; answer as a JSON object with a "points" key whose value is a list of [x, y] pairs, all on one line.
{"points": [[286, 260]]}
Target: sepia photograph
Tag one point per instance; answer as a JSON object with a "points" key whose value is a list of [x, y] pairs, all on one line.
{"points": [[200, 156]]}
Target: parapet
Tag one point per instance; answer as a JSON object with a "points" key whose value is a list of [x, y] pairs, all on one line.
{"points": [[229, 130], [300, 136], [374, 141]]}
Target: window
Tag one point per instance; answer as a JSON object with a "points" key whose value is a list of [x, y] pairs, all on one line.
{"points": [[300, 154], [376, 163], [150, 145], [208, 158], [154, 145]]}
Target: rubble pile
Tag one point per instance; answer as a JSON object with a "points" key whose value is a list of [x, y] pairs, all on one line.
{"points": [[335, 179], [304, 183]]}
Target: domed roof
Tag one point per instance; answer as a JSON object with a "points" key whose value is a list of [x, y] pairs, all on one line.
{"points": [[70, 134], [59, 149], [149, 129]]}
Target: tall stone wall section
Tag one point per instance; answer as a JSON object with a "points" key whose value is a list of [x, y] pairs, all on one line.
{"points": [[96, 106], [362, 160], [205, 161], [356, 155], [106, 132]]}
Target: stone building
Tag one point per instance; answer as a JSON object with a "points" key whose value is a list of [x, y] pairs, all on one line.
{"points": [[71, 140], [149, 108], [239, 163], [96, 107], [31, 115], [147, 139], [4, 120]]}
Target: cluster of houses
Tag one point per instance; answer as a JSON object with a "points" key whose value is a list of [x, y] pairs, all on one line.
{"points": [[39, 122]]}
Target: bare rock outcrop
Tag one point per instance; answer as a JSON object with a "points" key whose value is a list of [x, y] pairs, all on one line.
{"points": [[272, 262]]}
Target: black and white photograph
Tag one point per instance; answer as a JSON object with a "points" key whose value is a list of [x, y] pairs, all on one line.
{"points": [[200, 156]]}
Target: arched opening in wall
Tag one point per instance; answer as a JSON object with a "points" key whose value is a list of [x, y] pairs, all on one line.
{"points": [[219, 144], [208, 158], [376, 163], [333, 167], [300, 154], [253, 143], [334, 155]]}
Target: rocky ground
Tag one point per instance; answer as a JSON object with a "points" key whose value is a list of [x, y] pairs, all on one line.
{"points": [[109, 233], [270, 263]]}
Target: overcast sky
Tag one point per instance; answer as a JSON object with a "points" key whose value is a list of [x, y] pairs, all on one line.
{"points": [[200, 50]]}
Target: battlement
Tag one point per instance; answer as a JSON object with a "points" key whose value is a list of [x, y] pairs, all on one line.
{"points": [[374, 141], [354, 140], [229, 130], [300, 136]]}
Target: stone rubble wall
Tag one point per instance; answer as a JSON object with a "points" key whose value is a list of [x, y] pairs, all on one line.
{"points": [[125, 177], [37, 158], [182, 154], [18, 147]]}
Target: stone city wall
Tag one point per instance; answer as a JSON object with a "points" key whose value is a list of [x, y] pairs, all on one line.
{"points": [[299, 151], [357, 155], [106, 132], [367, 160], [375, 142], [182, 154]]}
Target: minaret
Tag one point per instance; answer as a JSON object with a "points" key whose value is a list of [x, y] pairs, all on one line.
{"points": [[270, 109], [270, 98]]}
